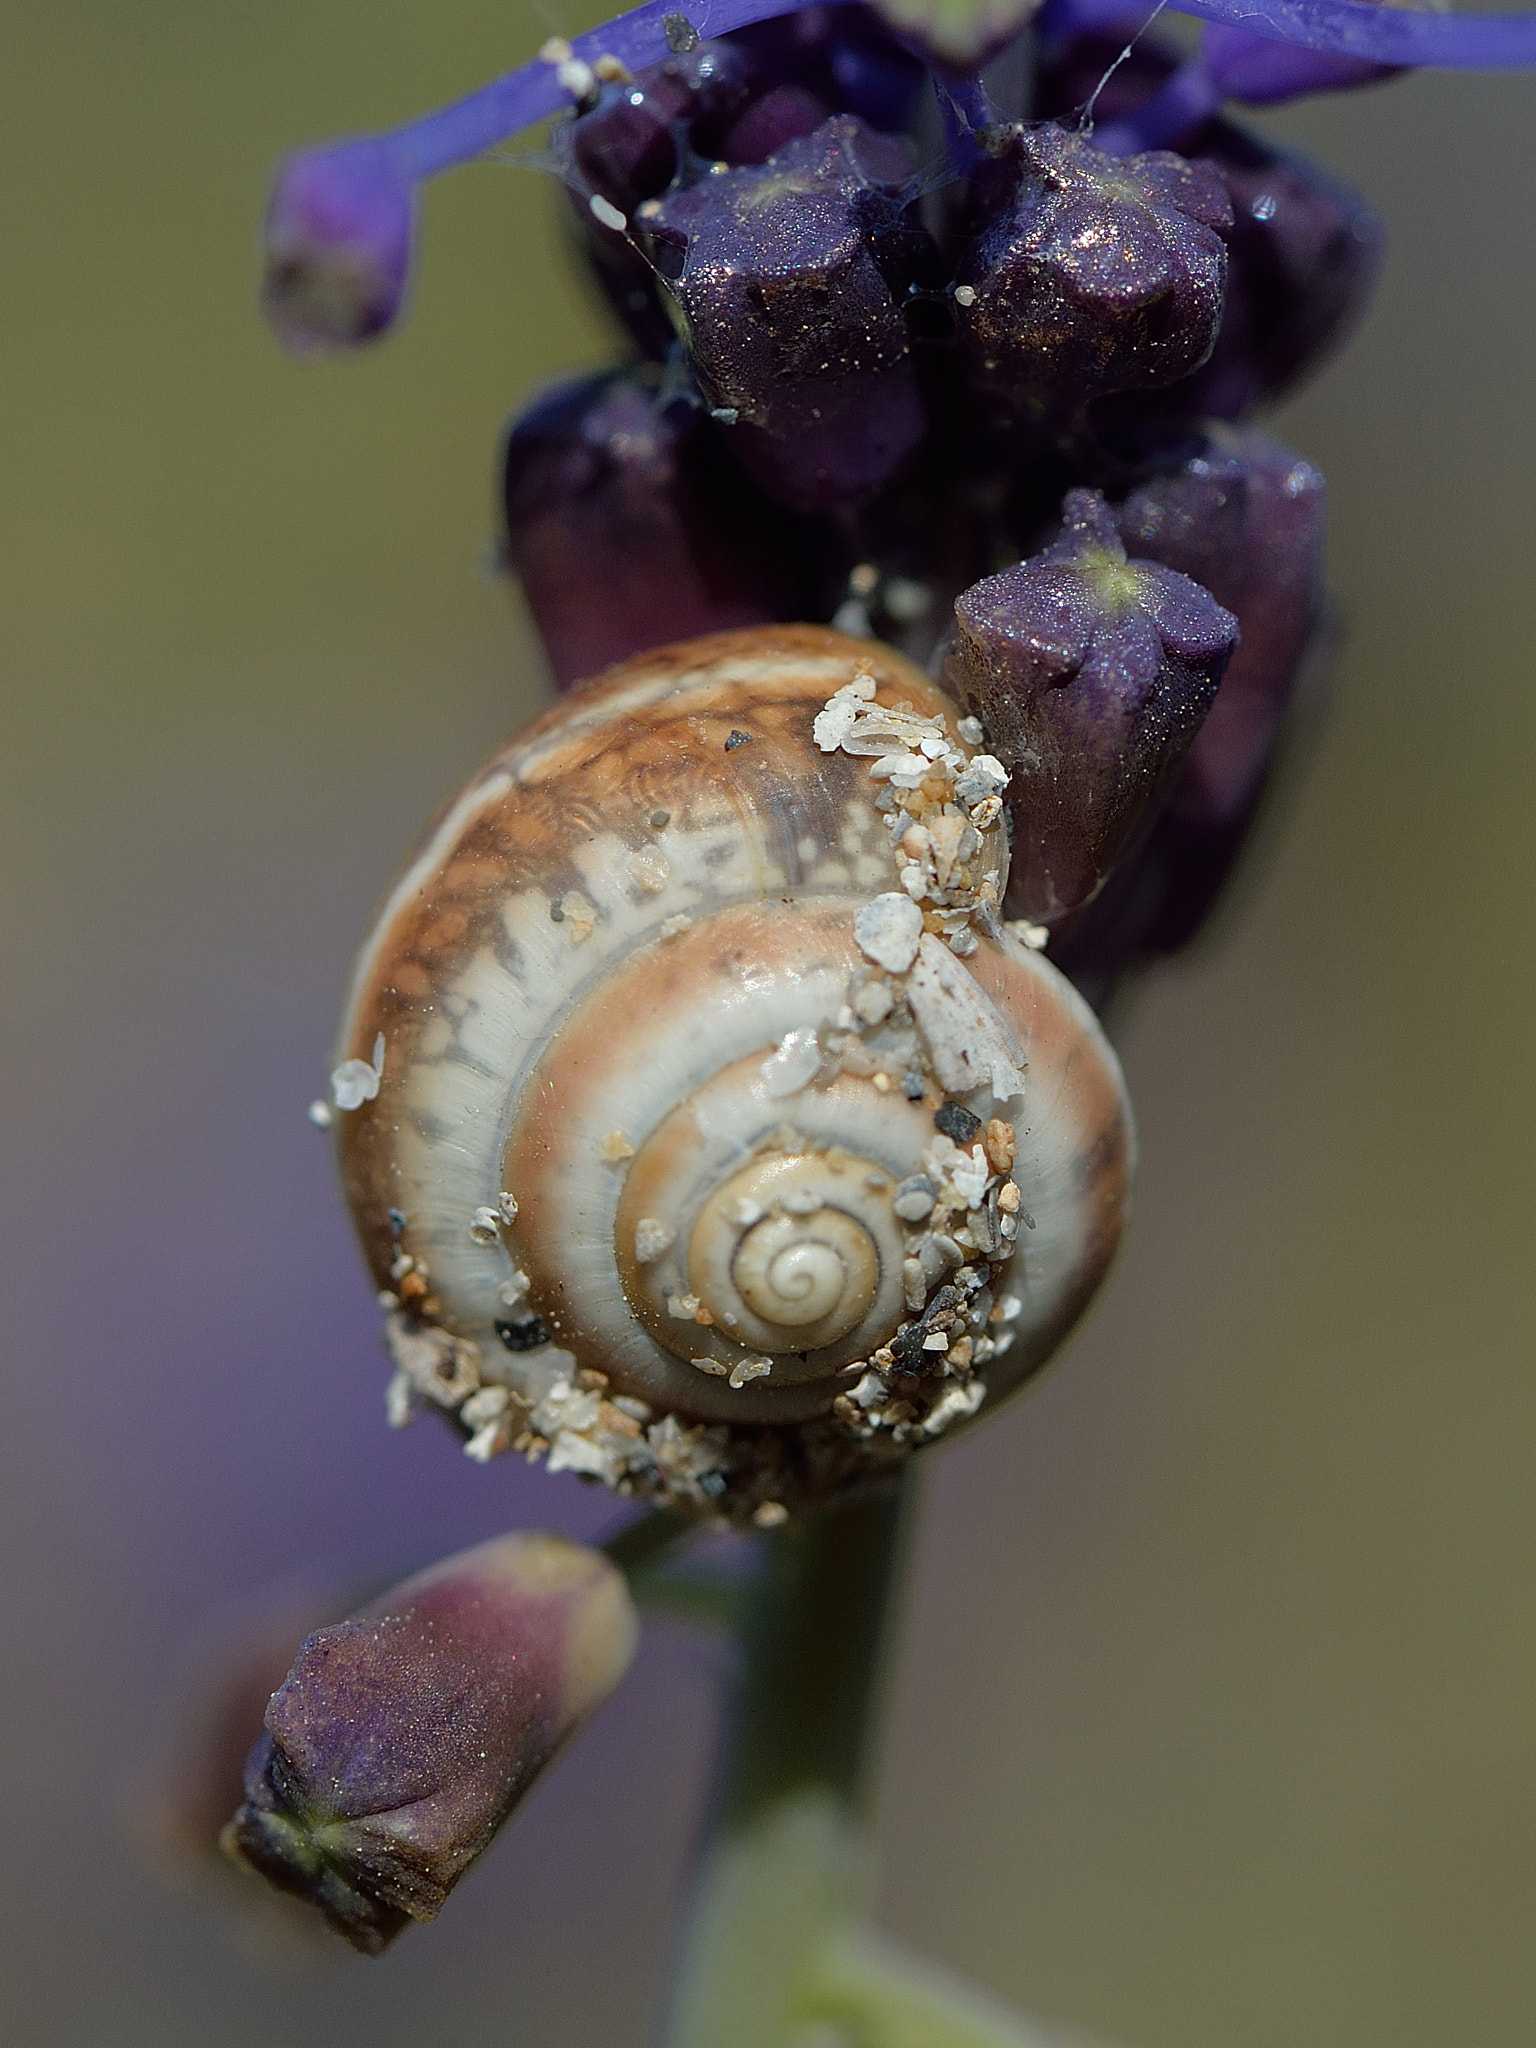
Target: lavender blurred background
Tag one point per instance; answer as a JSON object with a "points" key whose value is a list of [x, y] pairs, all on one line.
{"points": [[1216, 1713]]}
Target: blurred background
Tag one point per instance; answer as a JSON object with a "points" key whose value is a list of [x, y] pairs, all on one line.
{"points": [[1215, 1717]]}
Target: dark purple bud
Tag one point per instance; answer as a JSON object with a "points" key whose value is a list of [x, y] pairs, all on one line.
{"points": [[1096, 274], [1305, 252], [1246, 518], [1263, 73], [792, 330], [779, 116], [338, 246], [1082, 59], [630, 525], [800, 68], [1091, 674], [402, 1739], [196, 1781], [626, 148]]}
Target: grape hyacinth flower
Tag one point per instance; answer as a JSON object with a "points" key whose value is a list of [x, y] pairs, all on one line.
{"points": [[339, 232], [403, 1737], [1091, 674], [933, 318], [789, 327], [1093, 275], [607, 487]]}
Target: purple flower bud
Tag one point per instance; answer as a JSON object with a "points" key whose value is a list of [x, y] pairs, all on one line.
{"points": [[186, 1796], [629, 148], [1096, 274], [631, 525], [790, 325], [1263, 73], [1091, 674], [1246, 517], [781, 115], [626, 147], [1305, 252], [402, 1738], [338, 246]]}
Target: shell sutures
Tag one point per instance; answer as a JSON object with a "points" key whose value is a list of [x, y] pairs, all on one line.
{"points": [[706, 1130]]}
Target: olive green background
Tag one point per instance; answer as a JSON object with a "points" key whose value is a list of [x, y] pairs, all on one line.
{"points": [[1214, 1725]]}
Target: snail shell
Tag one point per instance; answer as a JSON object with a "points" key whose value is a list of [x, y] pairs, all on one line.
{"points": [[641, 1068]]}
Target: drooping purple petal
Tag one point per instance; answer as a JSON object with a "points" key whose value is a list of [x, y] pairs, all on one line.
{"points": [[1357, 28], [1383, 34], [1263, 73]]}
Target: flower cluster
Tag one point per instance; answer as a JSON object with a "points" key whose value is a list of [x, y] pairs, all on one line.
{"points": [[923, 356], [904, 288]]}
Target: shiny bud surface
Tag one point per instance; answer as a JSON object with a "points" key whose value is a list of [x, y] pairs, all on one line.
{"points": [[1091, 673], [403, 1737], [1096, 274], [791, 328]]}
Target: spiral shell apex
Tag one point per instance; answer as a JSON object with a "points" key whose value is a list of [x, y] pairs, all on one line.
{"points": [[706, 1131]]}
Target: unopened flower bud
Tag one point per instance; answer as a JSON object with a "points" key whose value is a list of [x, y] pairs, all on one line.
{"points": [[1303, 259], [184, 1798], [338, 246], [1092, 674], [403, 1737], [793, 332], [630, 524], [1096, 274], [1246, 516]]}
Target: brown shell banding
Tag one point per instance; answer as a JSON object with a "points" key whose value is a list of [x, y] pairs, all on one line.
{"points": [[534, 1052]]}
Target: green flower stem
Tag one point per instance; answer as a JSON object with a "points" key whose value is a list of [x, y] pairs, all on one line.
{"points": [[661, 1581], [788, 1866], [645, 1543], [780, 1951], [869, 1992]]}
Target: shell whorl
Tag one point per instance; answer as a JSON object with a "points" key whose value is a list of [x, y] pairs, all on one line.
{"points": [[789, 1250], [644, 1178]]}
